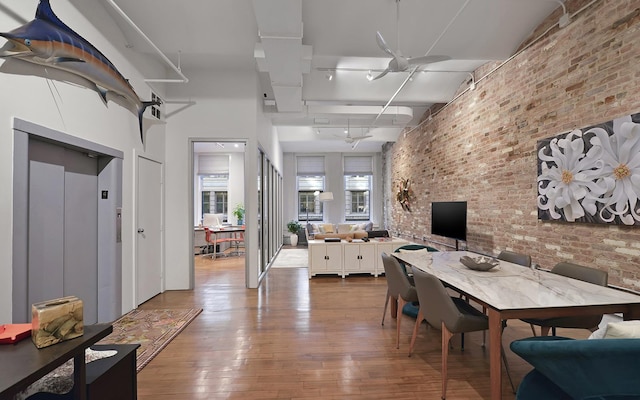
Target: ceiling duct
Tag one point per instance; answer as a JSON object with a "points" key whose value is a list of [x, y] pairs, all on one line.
{"points": [[280, 52]]}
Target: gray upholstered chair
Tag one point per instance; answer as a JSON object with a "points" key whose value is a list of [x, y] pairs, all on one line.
{"points": [[582, 273], [516, 258], [449, 314], [399, 289]]}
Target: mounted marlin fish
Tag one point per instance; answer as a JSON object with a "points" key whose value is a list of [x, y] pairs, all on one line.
{"points": [[47, 41]]}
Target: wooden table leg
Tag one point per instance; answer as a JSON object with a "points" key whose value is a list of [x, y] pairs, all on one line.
{"points": [[79, 377], [495, 349]]}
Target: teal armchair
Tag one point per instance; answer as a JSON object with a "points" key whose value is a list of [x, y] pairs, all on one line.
{"points": [[568, 369]]}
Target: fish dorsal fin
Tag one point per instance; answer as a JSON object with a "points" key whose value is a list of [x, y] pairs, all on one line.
{"points": [[45, 13]]}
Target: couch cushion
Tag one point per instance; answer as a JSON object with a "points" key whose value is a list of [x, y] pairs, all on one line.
{"points": [[345, 228]]}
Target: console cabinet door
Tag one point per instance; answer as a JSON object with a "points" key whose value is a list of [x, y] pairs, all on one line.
{"points": [[360, 258], [351, 258], [325, 258], [317, 259], [334, 258]]}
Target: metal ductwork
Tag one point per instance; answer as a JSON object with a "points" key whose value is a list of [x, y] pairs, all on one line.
{"points": [[280, 52]]}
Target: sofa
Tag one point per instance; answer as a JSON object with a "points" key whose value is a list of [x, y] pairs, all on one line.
{"points": [[603, 369], [344, 231]]}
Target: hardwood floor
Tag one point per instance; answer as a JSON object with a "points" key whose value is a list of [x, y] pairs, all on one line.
{"points": [[295, 338]]}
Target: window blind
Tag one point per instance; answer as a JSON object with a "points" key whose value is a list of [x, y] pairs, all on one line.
{"points": [[213, 164], [358, 165], [310, 165]]}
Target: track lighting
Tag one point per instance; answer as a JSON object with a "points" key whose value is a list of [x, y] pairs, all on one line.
{"points": [[329, 76], [369, 76]]}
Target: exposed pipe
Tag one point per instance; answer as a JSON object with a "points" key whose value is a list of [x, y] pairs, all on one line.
{"points": [[128, 20]]}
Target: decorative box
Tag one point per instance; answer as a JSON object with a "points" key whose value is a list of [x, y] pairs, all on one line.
{"points": [[56, 320]]}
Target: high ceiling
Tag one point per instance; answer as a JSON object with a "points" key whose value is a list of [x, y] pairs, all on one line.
{"points": [[297, 44]]}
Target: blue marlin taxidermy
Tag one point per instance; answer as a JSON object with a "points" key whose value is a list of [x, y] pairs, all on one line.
{"points": [[47, 41]]}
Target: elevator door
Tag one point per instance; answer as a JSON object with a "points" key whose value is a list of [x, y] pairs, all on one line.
{"points": [[63, 226]]}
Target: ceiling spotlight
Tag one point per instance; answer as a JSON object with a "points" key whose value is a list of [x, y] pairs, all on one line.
{"points": [[329, 76], [369, 76]]}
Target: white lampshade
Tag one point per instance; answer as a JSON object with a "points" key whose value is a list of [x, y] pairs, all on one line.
{"points": [[325, 196]]}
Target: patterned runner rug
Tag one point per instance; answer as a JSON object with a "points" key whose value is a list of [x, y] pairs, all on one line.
{"points": [[152, 329]]}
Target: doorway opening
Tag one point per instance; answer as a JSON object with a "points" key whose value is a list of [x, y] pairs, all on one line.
{"points": [[217, 197]]}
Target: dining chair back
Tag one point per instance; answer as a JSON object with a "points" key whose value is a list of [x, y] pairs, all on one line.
{"points": [[399, 289], [449, 314], [576, 271], [515, 258]]}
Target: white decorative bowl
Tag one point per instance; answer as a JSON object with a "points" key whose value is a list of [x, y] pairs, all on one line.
{"points": [[481, 263]]}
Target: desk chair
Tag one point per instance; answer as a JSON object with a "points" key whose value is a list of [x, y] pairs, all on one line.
{"points": [[213, 240], [589, 322], [398, 288], [238, 237], [449, 314]]}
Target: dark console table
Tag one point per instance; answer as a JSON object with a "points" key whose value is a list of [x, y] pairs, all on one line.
{"points": [[22, 363]]}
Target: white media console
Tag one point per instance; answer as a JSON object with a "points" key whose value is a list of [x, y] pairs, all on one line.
{"points": [[344, 258]]}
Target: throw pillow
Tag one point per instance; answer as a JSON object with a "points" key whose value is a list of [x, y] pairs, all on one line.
{"points": [[368, 226], [419, 251], [327, 228], [623, 330]]}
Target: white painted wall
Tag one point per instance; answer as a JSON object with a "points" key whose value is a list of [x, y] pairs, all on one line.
{"points": [[227, 109], [77, 111]]}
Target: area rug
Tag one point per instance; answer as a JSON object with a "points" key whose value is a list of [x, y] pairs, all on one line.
{"points": [[152, 329], [291, 258]]}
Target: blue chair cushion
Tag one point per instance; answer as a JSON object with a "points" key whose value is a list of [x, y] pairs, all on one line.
{"points": [[411, 309], [603, 369]]}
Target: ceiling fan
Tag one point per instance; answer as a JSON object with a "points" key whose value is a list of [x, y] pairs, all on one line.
{"points": [[400, 63], [351, 139]]}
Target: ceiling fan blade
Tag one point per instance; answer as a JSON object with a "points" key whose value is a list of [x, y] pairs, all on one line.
{"points": [[362, 137], [427, 60], [383, 45], [383, 73]]}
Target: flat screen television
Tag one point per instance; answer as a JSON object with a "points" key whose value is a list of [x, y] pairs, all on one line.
{"points": [[449, 219]]}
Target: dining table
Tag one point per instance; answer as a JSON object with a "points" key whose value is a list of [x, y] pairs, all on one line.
{"points": [[511, 291]]}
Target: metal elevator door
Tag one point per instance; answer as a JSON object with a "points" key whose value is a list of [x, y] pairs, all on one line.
{"points": [[63, 226]]}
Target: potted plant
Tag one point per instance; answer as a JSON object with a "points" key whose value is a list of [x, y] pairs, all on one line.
{"points": [[238, 212], [293, 227]]}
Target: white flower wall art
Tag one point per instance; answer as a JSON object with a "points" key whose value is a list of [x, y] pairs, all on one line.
{"points": [[592, 174]]}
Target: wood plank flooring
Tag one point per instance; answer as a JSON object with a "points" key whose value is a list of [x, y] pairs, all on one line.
{"points": [[295, 338]]}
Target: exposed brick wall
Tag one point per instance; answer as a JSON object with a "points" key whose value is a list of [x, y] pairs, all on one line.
{"points": [[482, 147]]}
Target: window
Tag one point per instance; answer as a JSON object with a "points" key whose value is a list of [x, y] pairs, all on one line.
{"points": [[213, 174], [358, 178], [310, 182], [214, 194]]}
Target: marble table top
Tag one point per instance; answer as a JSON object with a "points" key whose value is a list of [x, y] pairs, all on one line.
{"points": [[510, 286]]}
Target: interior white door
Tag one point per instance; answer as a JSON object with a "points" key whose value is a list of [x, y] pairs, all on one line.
{"points": [[149, 230]]}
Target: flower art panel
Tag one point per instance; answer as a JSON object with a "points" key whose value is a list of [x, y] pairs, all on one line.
{"points": [[592, 174]]}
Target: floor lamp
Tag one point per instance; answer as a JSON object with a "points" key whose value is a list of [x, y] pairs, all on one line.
{"points": [[325, 196]]}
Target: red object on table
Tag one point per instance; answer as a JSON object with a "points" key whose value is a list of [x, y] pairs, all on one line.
{"points": [[13, 333]]}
